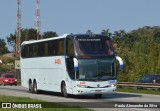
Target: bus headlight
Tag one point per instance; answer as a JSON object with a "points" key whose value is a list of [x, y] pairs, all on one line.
{"points": [[113, 85]]}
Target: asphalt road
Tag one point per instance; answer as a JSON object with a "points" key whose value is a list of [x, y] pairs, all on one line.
{"points": [[89, 101]]}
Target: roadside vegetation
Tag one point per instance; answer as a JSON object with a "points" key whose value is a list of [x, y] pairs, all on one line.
{"points": [[140, 91], [7, 64], [140, 50], [56, 106]]}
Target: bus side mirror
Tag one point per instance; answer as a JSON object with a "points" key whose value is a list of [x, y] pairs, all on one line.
{"points": [[120, 62], [75, 64]]}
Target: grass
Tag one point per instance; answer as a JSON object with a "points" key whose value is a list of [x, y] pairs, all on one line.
{"points": [[55, 106], [142, 91]]}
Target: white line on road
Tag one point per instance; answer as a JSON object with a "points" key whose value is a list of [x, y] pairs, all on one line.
{"points": [[140, 109]]}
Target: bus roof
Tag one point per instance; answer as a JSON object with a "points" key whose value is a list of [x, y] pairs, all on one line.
{"points": [[64, 36], [42, 40]]}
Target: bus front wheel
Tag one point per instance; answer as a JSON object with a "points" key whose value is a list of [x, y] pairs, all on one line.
{"points": [[35, 90], [64, 90]]}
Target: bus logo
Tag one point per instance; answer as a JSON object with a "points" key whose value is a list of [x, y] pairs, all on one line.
{"points": [[82, 82], [57, 61], [98, 85]]}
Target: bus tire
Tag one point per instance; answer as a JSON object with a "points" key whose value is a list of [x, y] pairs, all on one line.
{"points": [[64, 90], [98, 95], [30, 86], [35, 90]]}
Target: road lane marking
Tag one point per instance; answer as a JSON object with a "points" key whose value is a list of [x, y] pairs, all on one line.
{"points": [[141, 109]]}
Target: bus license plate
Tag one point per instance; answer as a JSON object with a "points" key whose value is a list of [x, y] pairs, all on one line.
{"points": [[98, 91]]}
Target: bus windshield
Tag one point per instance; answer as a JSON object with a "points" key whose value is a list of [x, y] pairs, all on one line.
{"points": [[96, 70], [94, 47]]}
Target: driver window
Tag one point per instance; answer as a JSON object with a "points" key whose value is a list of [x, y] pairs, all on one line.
{"points": [[69, 60], [70, 47]]}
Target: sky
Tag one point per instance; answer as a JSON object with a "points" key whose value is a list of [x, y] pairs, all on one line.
{"points": [[77, 16]]}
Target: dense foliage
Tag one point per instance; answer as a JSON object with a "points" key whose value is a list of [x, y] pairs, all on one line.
{"points": [[140, 50], [3, 47]]}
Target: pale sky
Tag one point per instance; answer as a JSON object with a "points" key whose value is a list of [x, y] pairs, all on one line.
{"points": [[77, 16]]}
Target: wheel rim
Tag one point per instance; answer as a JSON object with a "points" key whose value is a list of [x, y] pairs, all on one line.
{"points": [[64, 90], [30, 87], [35, 87]]}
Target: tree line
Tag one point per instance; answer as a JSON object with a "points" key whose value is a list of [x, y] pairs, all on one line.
{"points": [[140, 49], [26, 34]]}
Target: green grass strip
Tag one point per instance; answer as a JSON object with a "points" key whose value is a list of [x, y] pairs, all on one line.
{"points": [[56, 106]]}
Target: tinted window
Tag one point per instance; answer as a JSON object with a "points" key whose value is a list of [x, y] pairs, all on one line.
{"points": [[60, 50], [70, 47], [147, 78], [94, 47], [42, 49], [35, 50], [158, 79], [9, 76], [52, 48]]}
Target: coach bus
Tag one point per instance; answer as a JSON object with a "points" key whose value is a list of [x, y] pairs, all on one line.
{"points": [[77, 64]]}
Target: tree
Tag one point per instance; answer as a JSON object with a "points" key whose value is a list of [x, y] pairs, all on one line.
{"points": [[3, 48], [122, 33], [49, 34], [106, 32], [89, 31], [26, 34], [29, 34], [11, 39]]}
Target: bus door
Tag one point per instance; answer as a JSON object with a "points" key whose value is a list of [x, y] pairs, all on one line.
{"points": [[69, 62]]}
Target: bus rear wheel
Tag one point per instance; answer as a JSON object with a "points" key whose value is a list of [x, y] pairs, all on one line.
{"points": [[64, 90], [30, 87]]}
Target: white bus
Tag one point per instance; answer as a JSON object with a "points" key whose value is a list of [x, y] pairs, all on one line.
{"points": [[78, 64]]}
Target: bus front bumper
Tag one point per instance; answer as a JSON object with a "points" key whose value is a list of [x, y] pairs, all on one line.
{"points": [[86, 91]]}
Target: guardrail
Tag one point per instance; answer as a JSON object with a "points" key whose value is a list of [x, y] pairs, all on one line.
{"points": [[138, 85]]}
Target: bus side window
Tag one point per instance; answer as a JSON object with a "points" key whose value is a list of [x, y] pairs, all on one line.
{"points": [[41, 51], [46, 49], [70, 48], [60, 44], [35, 50], [30, 50], [52, 48], [27, 51], [23, 51]]}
